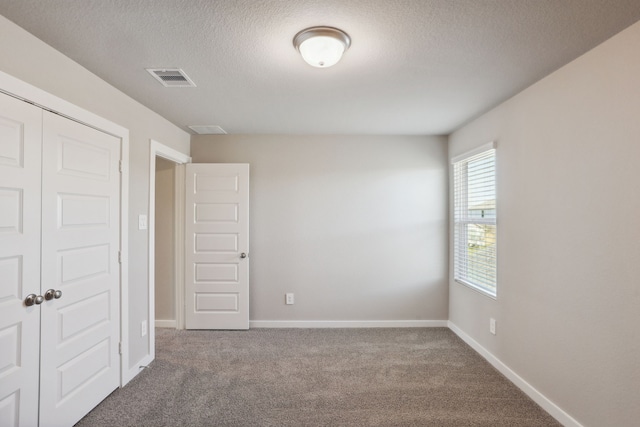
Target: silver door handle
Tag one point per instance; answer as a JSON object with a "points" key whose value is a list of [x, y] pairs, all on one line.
{"points": [[51, 294], [243, 255], [32, 299]]}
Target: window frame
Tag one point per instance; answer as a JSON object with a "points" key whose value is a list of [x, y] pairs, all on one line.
{"points": [[462, 238]]}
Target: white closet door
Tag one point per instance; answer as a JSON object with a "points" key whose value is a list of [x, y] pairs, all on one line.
{"points": [[80, 360], [20, 142], [217, 246]]}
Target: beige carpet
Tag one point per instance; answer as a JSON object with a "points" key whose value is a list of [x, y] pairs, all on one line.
{"points": [[317, 377]]}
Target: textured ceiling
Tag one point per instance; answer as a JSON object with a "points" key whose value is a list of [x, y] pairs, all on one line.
{"points": [[414, 67]]}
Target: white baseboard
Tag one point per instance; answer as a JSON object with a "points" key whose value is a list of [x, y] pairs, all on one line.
{"points": [[554, 410], [166, 324], [348, 324]]}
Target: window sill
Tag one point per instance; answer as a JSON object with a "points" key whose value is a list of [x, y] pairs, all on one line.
{"points": [[477, 289]]}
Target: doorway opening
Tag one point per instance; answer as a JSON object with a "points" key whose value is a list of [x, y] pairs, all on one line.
{"points": [[165, 242], [166, 235]]}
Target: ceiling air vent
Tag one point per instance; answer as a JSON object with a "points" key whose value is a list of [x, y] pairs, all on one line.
{"points": [[207, 130], [171, 77]]}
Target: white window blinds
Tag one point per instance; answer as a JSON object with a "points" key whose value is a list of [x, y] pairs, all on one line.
{"points": [[474, 217]]}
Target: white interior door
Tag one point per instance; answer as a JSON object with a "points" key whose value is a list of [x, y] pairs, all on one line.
{"points": [[217, 246], [20, 154], [80, 360]]}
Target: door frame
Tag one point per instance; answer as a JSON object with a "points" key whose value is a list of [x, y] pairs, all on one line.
{"points": [[156, 149], [17, 88]]}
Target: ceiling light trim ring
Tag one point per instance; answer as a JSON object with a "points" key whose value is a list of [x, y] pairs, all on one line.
{"points": [[332, 32]]}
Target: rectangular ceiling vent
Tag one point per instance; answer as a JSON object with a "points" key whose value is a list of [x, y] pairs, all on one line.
{"points": [[171, 77], [207, 130]]}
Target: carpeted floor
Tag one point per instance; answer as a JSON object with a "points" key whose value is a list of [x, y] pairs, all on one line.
{"points": [[317, 377]]}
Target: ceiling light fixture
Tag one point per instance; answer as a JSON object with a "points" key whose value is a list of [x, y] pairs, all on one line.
{"points": [[322, 47]]}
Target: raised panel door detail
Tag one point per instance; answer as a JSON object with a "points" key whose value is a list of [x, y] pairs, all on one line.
{"points": [[11, 142], [83, 315], [83, 263], [11, 210], [219, 302], [10, 410], [10, 341], [216, 212], [204, 182], [214, 272], [82, 369], [84, 159], [75, 210], [10, 278], [215, 242]]}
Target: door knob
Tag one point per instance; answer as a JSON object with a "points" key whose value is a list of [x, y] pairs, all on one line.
{"points": [[32, 299], [243, 255], [51, 294]]}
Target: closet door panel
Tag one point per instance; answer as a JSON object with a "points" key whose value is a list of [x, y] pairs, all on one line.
{"points": [[80, 242], [20, 156]]}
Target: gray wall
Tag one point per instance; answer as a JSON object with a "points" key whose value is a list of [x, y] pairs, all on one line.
{"points": [[165, 287], [29, 59], [355, 226], [568, 306]]}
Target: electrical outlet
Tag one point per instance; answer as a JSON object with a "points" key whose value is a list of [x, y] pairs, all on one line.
{"points": [[143, 328], [288, 299], [492, 325]]}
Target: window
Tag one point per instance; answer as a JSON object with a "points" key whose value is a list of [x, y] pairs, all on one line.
{"points": [[474, 218]]}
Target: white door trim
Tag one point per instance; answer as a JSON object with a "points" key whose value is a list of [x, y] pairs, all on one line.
{"points": [[158, 149], [25, 91]]}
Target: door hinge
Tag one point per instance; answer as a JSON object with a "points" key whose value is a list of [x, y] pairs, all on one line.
{"points": [[120, 166], [120, 257], [120, 347]]}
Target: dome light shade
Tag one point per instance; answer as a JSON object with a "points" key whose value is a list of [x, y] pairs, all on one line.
{"points": [[322, 47]]}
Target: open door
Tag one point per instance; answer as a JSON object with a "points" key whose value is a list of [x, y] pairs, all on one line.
{"points": [[217, 246]]}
